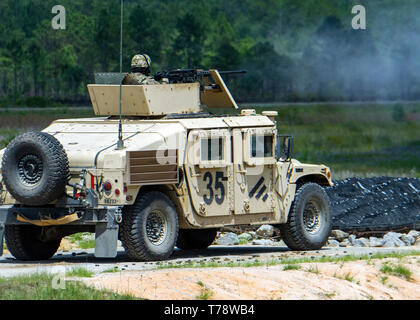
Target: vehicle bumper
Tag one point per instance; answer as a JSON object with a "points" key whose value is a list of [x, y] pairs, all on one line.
{"points": [[106, 222]]}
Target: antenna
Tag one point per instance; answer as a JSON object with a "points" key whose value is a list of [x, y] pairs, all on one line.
{"points": [[120, 143]]}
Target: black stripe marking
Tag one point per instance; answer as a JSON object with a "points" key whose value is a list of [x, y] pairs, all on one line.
{"points": [[265, 197], [256, 187], [261, 192]]}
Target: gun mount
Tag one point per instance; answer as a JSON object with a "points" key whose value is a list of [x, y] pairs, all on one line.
{"points": [[186, 93]]}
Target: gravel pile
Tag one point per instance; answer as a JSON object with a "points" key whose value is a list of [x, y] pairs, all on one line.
{"points": [[339, 238], [265, 235], [268, 235], [375, 204]]}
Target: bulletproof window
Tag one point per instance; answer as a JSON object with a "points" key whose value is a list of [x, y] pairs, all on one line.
{"points": [[212, 149], [261, 146]]}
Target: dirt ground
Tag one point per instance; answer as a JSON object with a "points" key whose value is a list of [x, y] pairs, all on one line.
{"points": [[355, 280]]}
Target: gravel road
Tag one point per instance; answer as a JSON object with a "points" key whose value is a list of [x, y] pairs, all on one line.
{"points": [[65, 261]]}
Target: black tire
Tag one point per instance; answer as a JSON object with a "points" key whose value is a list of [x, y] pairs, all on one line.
{"points": [[26, 243], [35, 168], [149, 229], [309, 222], [191, 239]]}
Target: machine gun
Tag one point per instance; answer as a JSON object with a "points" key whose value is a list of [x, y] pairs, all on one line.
{"points": [[189, 75]]}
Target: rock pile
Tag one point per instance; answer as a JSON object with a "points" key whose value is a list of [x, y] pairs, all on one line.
{"points": [[340, 238], [268, 235]]}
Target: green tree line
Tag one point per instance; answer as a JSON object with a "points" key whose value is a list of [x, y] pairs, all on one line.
{"points": [[292, 50]]}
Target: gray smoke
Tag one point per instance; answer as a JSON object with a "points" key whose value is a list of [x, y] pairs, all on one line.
{"points": [[335, 62]]}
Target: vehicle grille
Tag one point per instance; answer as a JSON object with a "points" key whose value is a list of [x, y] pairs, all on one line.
{"points": [[153, 167]]}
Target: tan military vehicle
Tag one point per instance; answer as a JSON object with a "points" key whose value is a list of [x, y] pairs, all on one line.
{"points": [[181, 174]]}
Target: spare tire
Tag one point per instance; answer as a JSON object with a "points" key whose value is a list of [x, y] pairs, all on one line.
{"points": [[35, 168]]}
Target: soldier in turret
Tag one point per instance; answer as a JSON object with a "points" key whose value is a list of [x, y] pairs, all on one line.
{"points": [[140, 71]]}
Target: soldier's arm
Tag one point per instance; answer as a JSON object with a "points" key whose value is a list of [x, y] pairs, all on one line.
{"points": [[149, 81], [128, 80]]}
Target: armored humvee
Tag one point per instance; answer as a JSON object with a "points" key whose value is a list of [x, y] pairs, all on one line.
{"points": [[181, 174]]}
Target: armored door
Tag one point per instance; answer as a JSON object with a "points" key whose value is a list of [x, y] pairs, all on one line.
{"points": [[209, 171], [253, 170]]}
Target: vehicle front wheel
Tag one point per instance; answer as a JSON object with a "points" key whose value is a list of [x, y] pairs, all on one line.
{"points": [[149, 229], [30, 243], [309, 222]]}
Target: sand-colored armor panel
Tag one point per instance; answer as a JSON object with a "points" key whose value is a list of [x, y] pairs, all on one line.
{"points": [[254, 183], [145, 100], [217, 95], [209, 172]]}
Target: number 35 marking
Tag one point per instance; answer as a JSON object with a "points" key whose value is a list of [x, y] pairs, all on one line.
{"points": [[218, 185]]}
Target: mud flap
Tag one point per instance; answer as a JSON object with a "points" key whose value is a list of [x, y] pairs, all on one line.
{"points": [[4, 214], [106, 236], [1, 238]]}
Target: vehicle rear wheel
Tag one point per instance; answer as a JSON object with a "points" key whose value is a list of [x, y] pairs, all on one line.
{"points": [[28, 242], [309, 223], [35, 168], [190, 239], [149, 229]]}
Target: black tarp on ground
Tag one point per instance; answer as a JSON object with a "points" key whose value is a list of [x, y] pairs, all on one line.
{"points": [[375, 204]]}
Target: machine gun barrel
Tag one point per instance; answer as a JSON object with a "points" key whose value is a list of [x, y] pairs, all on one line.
{"points": [[189, 75], [233, 72]]}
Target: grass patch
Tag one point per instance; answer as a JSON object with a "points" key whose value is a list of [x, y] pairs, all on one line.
{"points": [[403, 271], [348, 277], [76, 237], [205, 293], [291, 267], [87, 244], [329, 295], [111, 270], [82, 239], [243, 241], [39, 287], [386, 269], [79, 272], [7, 135], [384, 279], [399, 271], [288, 261], [313, 270]]}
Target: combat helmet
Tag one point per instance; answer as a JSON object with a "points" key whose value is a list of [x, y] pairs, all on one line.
{"points": [[141, 61]]}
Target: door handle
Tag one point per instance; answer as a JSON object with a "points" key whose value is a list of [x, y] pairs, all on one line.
{"points": [[241, 169], [194, 174]]}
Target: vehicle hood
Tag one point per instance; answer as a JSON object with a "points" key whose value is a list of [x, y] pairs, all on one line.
{"points": [[88, 142]]}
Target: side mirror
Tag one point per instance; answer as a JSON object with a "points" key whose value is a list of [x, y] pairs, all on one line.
{"points": [[284, 146]]}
